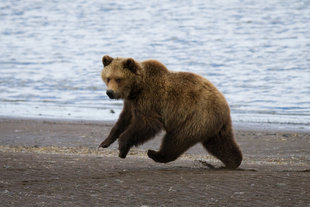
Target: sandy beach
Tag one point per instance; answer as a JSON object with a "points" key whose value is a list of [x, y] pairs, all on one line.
{"points": [[57, 163]]}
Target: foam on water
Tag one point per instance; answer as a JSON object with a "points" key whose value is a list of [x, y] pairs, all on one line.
{"points": [[257, 53]]}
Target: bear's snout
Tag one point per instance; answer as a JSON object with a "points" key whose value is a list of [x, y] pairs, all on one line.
{"points": [[110, 93]]}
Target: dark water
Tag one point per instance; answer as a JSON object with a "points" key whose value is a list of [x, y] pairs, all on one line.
{"points": [[256, 52]]}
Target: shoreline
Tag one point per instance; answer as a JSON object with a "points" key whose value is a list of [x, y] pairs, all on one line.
{"points": [[57, 163], [241, 125]]}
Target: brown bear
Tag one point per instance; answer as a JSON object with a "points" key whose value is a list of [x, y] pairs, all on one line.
{"points": [[186, 106]]}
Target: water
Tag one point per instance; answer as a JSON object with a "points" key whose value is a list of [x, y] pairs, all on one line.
{"points": [[256, 52]]}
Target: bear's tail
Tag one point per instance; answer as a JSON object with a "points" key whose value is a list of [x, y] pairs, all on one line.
{"points": [[224, 147]]}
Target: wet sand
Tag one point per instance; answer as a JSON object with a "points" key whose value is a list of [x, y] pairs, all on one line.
{"points": [[57, 163]]}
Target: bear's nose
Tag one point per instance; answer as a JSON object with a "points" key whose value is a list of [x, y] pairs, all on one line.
{"points": [[110, 93]]}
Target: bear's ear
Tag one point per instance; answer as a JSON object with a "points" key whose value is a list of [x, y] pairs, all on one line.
{"points": [[131, 65], [106, 60]]}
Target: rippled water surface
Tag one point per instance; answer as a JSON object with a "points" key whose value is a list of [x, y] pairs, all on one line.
{"points": [[256, 52]]}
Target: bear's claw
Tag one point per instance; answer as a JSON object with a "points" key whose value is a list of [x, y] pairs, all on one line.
{"points": [[123, 153], [104, 144]]}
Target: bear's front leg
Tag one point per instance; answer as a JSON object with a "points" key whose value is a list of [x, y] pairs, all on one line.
{"points": [[124, 148], [140, 130], [120, 126], [108, 141]]}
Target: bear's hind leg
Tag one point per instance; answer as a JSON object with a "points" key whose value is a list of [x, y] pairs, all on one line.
{"points": [[171, 148], [139, 131], [224, 147]]}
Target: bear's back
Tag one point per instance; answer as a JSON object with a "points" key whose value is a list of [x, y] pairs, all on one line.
{"points": [[154, 68]]}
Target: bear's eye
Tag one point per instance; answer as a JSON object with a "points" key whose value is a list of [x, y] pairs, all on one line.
{"points": [[118, 80], [108, 80]]}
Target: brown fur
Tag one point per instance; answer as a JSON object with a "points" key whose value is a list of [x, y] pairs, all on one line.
{"points": [[187, 106]]}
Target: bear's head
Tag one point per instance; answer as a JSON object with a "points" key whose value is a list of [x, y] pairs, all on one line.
{"points": [[121, 76]]}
